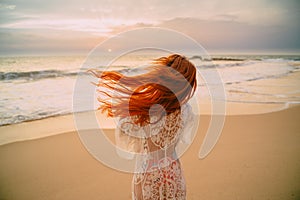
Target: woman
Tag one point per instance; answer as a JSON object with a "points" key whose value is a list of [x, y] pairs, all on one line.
{"points": [[153, 118]]}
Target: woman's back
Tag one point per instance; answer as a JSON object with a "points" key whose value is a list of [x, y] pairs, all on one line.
{"points": [[158, 171]]}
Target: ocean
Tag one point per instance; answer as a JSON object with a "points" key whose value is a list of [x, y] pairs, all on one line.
{"points": [[39, 87]]}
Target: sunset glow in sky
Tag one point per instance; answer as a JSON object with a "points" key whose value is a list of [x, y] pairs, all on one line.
{"points": [[41, 27]]}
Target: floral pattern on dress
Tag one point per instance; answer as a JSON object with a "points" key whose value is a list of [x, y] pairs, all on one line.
{"points": [[158, 171]]}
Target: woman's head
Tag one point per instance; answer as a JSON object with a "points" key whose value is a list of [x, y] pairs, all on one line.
{"points": [[183, 66], [170, 82]]}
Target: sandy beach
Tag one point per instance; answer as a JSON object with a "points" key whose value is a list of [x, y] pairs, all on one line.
{"points": [[236, 63], [256, 157]]}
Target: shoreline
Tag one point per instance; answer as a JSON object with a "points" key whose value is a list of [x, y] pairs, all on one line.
{"points": [[35, 129]]}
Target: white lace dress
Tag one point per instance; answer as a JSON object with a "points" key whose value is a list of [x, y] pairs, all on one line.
{"points": [[158, 173]]}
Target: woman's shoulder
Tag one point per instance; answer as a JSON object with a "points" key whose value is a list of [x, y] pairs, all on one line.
{"points": [[186, 109]]}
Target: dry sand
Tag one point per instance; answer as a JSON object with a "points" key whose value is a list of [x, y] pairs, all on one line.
{"points": [[257, 157]]}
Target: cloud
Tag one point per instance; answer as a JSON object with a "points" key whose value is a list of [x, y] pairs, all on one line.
{"points": [[82, 25], [15, 42], [233, 35], [214, 35], [226, 17], [253, 12], [7, 7], [217, 24]]}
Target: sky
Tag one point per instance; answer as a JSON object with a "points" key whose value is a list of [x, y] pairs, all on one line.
{"points": [[76, 26]]}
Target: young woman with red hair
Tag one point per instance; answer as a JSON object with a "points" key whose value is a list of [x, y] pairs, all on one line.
{"points": [[154, 117]]}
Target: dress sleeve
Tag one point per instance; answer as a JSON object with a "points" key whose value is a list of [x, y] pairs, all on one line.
{"points": [[188, 124], [128, 138]]}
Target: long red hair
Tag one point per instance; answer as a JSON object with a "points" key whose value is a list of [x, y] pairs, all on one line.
{"points": [[170, 82]]}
